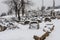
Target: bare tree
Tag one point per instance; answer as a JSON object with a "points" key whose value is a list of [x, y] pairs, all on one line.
{"points": [[23, 6], [14, 5], [25, 3], [17, 6]]}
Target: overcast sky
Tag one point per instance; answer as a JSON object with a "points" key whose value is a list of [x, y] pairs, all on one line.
{"points": [[37, 3]]}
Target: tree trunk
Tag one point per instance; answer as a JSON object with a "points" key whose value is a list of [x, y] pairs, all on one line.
{"points": [[15, 13], [19, 15], [16, 10], [23, 7], [23, 11]]}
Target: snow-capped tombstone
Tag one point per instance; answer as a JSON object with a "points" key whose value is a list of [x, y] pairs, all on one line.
{"points": [[53, 15], [47, 19], [48, 27], [24, 21], [2, 28], [39, 19], [42, 37], [34, 25]]}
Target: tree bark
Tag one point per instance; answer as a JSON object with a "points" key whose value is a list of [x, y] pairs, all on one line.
{"points": [[19, 14], [23, 7]]}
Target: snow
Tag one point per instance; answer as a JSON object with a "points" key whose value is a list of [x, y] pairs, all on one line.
{"points": [[47, 30], [20, 34], [56, 9], [49, 24], [24, 33], [9, 16], [55, 35]]}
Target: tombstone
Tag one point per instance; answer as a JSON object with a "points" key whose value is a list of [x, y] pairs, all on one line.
{"points": [[42, 37], [47, 19], [34, 25], [2, 28]]}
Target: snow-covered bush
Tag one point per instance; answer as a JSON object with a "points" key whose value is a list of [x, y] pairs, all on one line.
{"points": [[11, 25], [14, 19], [10, 12], [8, 24], [3, 14]]}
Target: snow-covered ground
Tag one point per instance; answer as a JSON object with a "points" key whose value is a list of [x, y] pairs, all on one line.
{"points": [[24, 33], [55, 35]]}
